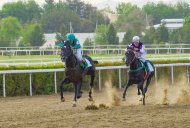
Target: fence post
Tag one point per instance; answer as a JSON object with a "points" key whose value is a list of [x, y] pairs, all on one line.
{"points": [[120, 78], [55, 82], [187, 75], [155, 75], [100, 87], [172, 74], [30, 84], [4, 87]]}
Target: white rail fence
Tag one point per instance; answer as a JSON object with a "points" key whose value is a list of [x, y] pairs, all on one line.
{"points": [[95, 49], [97, 68], [100, 47], [46, 61], [91, 51]]}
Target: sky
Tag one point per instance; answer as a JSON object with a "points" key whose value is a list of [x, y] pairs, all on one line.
{"points": [[98, 2]]}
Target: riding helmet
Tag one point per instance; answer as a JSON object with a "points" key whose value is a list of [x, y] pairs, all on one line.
{"points": [[70, 37]]}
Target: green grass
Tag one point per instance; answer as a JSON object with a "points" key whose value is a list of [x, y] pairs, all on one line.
{"points": [[92, 55]]}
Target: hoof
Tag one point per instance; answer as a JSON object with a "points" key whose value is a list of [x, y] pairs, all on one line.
{"points": [[138, 93], [63, 99], [123, 99], [74, 104], [78, 96], [141, 98], [90, 98]]}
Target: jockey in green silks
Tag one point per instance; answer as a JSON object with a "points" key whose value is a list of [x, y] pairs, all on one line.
{"points": [[76, 47]]}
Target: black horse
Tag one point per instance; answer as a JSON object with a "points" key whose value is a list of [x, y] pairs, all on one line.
{"points": [[74, 73], [137, 74]]}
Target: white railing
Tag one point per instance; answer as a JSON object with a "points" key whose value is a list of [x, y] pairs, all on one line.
{"points": [[54, 61], [91, 51], [95, 49], [97, 68], [100, 47]]}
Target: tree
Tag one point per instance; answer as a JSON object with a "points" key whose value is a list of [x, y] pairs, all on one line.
{"points": [[54, 20], [187, 20], [185, 34], [37, 35], [82, 17], [162, 34], [23, 11], [100, 35], [33, 36], [176, 36], [111, 35], [128, 36], [125, 8], [182, 9], [135, 21], [150, 36], [88, 42], [10, 31], [163, 11]]}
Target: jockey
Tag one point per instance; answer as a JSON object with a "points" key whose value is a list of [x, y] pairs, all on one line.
{"points": [[75, 45], [139, 49]]}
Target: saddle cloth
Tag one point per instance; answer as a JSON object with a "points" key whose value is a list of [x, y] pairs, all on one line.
{"points": [[88, 63]]}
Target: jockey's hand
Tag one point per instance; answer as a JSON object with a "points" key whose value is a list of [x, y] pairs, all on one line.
{"points": [[136, 49]]}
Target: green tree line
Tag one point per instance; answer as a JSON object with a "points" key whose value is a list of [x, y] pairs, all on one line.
{"points": [[25, 22]]}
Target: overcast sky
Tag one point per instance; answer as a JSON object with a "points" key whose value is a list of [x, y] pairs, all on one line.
{"points": [[94, 2]]}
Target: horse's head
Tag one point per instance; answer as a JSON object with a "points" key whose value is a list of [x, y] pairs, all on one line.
{"points": [[129, 55], [66, 51]]}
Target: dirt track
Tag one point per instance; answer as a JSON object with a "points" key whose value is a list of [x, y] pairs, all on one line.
{"points": [[49, 112]]}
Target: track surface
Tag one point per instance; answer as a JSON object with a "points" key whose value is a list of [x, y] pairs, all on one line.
{"points": [[49, 112]]}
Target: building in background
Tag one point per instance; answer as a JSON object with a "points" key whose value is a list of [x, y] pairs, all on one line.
{"points": [[51, 38], [171, 24]]}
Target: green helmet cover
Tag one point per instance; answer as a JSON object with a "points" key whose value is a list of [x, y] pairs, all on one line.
{"points": [[70, 37]]}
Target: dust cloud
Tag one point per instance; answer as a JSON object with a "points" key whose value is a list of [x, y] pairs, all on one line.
{"points": [[168, 94], [110, 96]]}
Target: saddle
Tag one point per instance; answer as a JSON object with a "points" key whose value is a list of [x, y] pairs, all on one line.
{"points": [[147, 70]]}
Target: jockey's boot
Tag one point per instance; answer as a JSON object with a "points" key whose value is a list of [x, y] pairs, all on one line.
{"points": [[85, 69], [147, 69], [146, 66]]}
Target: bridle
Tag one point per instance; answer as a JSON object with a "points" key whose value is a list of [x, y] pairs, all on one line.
{"points": [[71, 52], [133, 53]]}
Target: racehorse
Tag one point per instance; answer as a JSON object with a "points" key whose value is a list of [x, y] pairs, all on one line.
{"points": [[73, 73], [137, 74]]}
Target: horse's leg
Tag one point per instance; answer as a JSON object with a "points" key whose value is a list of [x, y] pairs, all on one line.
{"points": [[64, 81], [75, 96], [129, 82], [138, 93], [79, 92], [92, 76], [140, 86], [148, 82]]}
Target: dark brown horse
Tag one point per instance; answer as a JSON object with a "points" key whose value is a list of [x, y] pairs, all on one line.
{"points": [[137, 74], [73, 73]]}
